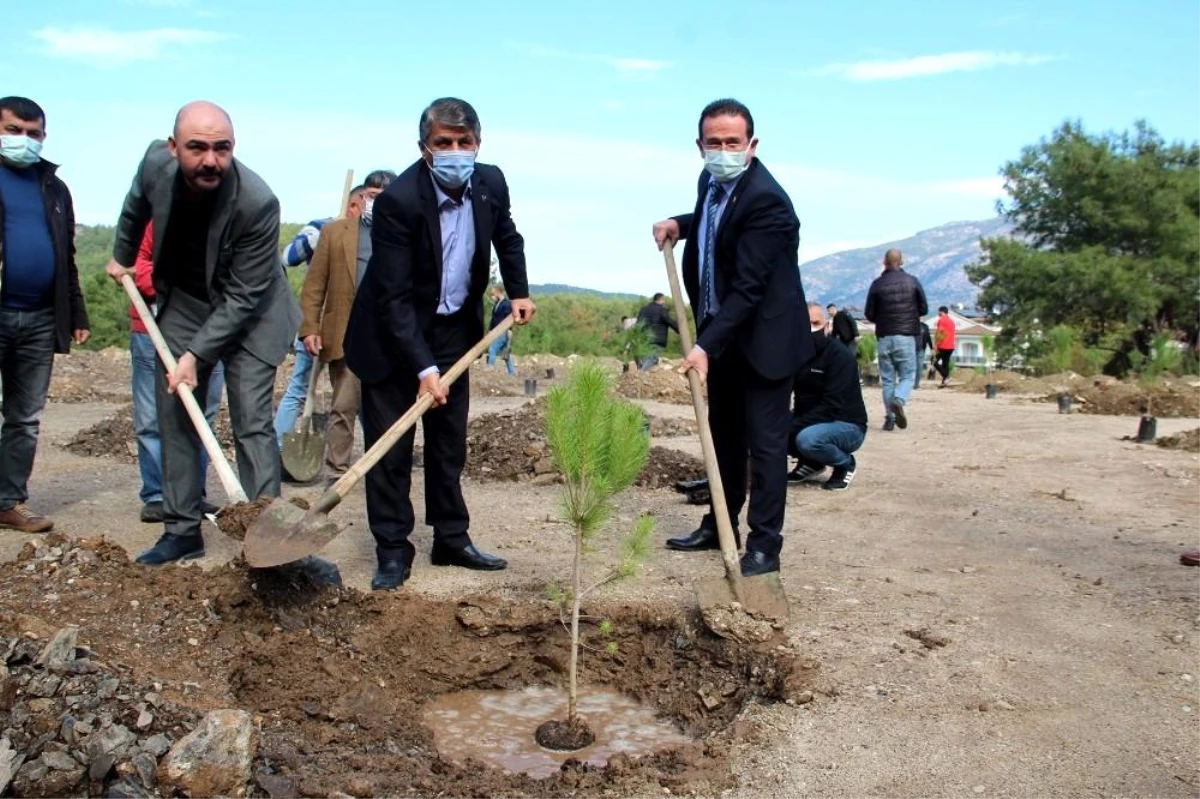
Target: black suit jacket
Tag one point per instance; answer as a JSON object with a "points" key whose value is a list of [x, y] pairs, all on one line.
{"points": [[398, 299], [763, 311]]}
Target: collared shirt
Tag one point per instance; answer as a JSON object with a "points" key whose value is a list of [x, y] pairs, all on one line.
{"points": [[714, 304], [364, 249], [457, 220]]}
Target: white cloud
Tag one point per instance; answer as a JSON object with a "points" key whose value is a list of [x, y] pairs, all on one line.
{"points": [[107, 47], [923, 66], [624, 65]]}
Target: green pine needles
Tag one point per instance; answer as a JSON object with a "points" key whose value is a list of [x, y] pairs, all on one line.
{"points": [[599, 444]]}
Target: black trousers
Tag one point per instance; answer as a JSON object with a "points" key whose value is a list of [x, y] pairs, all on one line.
{"points": [[942, 363], [750, 419], [389, 506]]}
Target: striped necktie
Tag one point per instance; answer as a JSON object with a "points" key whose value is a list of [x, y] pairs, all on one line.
{"points": [[710, 240]]}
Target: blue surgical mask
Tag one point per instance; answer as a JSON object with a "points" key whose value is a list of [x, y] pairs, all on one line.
{"points": [[453, 168], [725, 165], [20, 151]]}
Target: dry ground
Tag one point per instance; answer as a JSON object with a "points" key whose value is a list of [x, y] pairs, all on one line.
{"points": [[1039, 550]]}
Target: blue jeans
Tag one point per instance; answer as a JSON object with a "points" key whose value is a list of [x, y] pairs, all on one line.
{"points": [[897, 366], [293, 399], [145, 414], [830, 443], [651, 360], [497, 347], [26, 359]]}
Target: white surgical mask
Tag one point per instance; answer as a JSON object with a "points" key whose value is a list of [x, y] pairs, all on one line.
{"points": [[725, 165], [20, 150]]}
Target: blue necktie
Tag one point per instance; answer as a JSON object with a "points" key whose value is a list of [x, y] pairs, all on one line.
{"points": [[710, 240]]}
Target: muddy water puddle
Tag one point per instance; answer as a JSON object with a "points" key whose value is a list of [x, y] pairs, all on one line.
{"points": [[497, 727]]}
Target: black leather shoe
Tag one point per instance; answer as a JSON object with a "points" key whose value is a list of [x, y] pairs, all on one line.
{"points": [[468, 557], [756, 563], [171, 547], [152, 513], [207, 507], [703, 538], [391, 574]]}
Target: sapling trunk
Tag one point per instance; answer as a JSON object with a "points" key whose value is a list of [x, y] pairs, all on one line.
{"points": [[576, 599]]}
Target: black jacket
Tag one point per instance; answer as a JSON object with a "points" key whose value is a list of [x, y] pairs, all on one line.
{"points": [[845, 329], [500, 311], [827, 389], [896, 303], [399, 296], [70, 313], [656, 319], [757, 282]]}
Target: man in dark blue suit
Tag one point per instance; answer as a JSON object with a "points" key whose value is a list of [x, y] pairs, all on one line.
{"points": [[741, 274], [419, 309]]}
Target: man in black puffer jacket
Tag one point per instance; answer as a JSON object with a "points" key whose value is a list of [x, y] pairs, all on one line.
{"points": [[895, 304], [829, 418]]}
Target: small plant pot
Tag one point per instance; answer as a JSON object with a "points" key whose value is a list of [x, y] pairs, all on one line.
{"points": [[990, 391], [565, 736], [1064, 402], [625, 367], [531, 388], [1147, 430]]}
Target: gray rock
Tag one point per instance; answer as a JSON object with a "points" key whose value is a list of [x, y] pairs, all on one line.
{"points": [[145, 766], [156, 745], [66, 731], [276, 786], [100, 766], [10, 762], [59, 761], [112, 740], [127, 788], [107, 688], [33, 771], [61, 648], [144, 719], [43, 685], [213, 759]]}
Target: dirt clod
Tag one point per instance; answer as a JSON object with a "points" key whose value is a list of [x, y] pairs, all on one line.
{"points": [[1188, 441], [114, 437], [565, 736], [928, 639]]}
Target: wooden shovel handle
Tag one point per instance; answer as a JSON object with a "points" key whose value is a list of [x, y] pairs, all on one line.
{"points": [[229, 480], [715, 488], [345, 206], [338, 491]]}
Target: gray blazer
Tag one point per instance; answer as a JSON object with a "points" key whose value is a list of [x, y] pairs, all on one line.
{"points": [[253, 306]]}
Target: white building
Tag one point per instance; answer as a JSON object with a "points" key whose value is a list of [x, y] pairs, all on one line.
{"points": [[968, 338]]}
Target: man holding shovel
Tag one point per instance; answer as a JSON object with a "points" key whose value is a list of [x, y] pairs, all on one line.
{"points": [[337, 270], [222, 297], [742, 279], [419, 309]]}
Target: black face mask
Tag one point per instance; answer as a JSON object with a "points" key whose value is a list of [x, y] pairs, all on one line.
{"points": [[819, 338]]}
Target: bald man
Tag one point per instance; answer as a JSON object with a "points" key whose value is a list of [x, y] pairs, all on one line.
{"points": [[222, 296]]}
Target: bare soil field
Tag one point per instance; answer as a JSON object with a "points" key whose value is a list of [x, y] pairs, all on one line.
{"points": [[995, 608]]}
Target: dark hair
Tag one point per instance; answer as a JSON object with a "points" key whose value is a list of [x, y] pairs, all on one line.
{"points": [[23, 108], [726, 107], [379, 179], [830, 305], [449, 111], [658, 296], [943, 309]]}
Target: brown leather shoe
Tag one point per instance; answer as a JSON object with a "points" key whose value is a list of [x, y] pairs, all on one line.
{"points": [[20, 517]]}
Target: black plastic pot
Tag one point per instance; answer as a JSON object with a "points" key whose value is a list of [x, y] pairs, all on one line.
{"points": [[990, 390], [1147, 430], [1064, 402], [531, 388]]}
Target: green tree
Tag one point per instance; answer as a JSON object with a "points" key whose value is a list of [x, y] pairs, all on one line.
{"points": [[599, 445], [1108, 239]]}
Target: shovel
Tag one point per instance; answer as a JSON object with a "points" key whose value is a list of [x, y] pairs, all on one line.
{"points": [[304, 447], [229, 480], [284, 532], [761, 597]]}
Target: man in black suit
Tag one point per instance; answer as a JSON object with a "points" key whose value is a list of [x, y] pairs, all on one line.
{"points": [[419, 310], [655, 318], [742, 278]]}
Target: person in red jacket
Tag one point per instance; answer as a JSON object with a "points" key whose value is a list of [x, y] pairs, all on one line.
{"points": [[943, 341], [144, 362]]}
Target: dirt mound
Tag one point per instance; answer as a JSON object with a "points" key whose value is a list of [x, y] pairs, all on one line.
{"points": [[1167, 399], [91, 376], [337, 679], [1188, 441], [1005, 382], [114, 437], [671, 428], [511, 445], [661, 383]]}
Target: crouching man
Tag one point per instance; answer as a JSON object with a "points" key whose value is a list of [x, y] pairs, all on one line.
{"points": [[829, 418]]}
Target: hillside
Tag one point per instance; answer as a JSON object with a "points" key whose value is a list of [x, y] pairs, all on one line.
{"points": [[936, 256]]}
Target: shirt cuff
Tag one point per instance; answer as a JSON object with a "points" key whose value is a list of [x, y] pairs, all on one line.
{"points": [[698, 347], [431, 370]]}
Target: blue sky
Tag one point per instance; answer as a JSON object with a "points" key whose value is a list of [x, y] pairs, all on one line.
{"points": [[879, 118]]}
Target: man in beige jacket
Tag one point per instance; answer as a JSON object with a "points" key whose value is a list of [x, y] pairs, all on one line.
{"points": [[338, 265]]}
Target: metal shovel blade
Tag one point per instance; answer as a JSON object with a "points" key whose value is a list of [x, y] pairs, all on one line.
{"points": [[743, 608], [303, 454], [284, 532]]}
